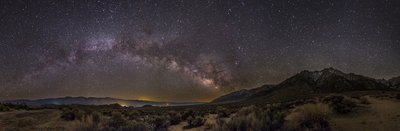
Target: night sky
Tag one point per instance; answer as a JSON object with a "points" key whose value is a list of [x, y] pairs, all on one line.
{"points": [[187, 50]]}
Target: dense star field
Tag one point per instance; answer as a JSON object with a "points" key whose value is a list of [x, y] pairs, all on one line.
{"points": [[187, 50]]}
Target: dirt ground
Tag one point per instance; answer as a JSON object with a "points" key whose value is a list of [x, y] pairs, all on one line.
{"points": [[380, 115]]}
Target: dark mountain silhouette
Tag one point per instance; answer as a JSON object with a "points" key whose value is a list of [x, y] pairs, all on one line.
{"points": [[242, 94], [96, 101], [308, 83]]}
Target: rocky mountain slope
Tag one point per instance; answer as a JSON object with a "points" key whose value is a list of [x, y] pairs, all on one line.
{"points": [[307, 83], [242, 94]]}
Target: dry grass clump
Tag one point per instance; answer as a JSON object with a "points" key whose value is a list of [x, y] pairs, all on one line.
{"points": [[365, 100], [310, 117], [255, 119], [94, 121]]}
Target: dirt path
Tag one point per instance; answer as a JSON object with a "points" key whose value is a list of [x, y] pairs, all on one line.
{"points": [[380, 115]]}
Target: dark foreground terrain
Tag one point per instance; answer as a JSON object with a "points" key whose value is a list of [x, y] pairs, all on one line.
{"points": [[319, 100], [352, 111]]}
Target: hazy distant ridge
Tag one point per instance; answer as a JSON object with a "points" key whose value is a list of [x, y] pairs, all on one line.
{"points": [[97, 101]]}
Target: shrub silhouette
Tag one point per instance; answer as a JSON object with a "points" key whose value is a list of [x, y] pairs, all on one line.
{"points": [[222, 112], [96, 117], [194, 122], [340, 104], [364, 100], [310, 117], [117, 120], [398, 96], [132, 114], [256, 119], [174, 117], [188, 113], [159, 123], [4, 108], [74, 114]]}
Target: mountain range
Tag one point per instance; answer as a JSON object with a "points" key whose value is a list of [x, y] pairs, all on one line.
{"points": [[302, 85], [309, 83], [96, 101]]}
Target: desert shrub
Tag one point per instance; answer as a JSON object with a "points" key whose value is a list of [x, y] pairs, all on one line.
{"points": [[340, 104], [194, 122], [74, 114], [222, 112], [17, 106], [4, 108], [159, 123], [188, 113], [256, 119], [174, 117], [310, 117], [135, 126], [117, 120], [86, 124], [107, 112], [364, 100], [132, 114], [96, 117], [398, 96]]}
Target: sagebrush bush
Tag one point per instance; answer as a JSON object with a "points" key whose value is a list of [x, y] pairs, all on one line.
{"points": [[340, 104], [398, 96], [310, 117], [256, 119], [174, 117], [96, 117], [364, 100], [188, 113], [222, 112], [159, 123], [93, 122], [117, 120], [72, 114], [4, 108], [132, 114], [194, 122]]}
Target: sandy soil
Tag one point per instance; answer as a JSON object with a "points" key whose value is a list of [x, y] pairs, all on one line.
{"points": [[380, 115]]}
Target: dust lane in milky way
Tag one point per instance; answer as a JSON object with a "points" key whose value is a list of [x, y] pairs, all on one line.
{"points": [[187, 50]]}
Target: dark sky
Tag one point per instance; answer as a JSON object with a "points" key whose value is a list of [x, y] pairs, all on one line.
{"points": [[187, 50]]}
